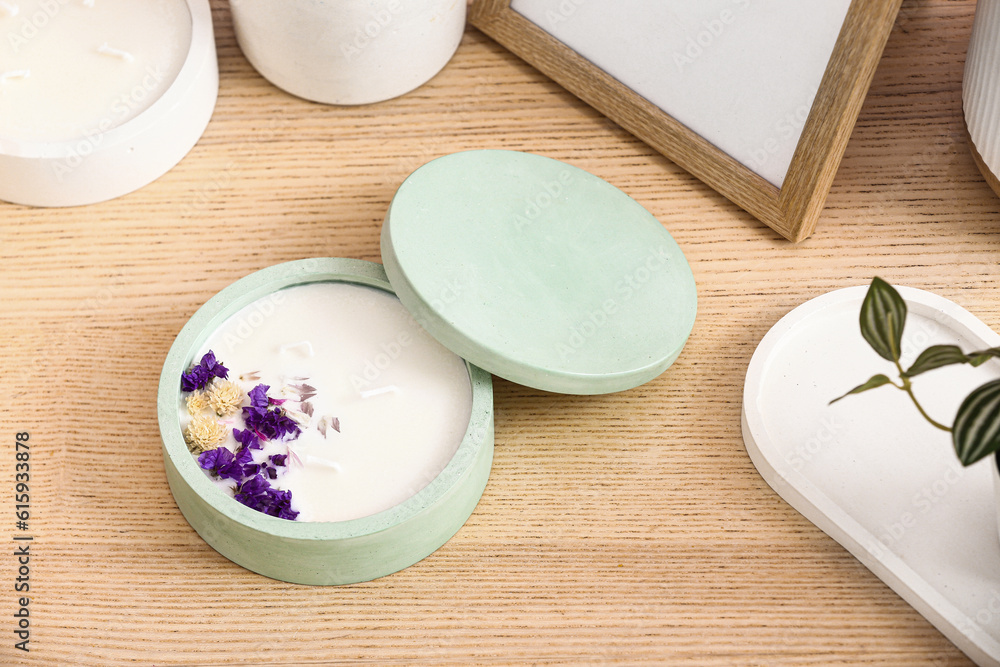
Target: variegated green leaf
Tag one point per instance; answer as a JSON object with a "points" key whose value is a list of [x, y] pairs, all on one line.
{"points": [[936, 356], [873, 381], [981, 357], [976, 432], [883, 315]]}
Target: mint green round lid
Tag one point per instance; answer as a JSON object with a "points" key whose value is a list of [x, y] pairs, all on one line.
{"points": [[538, 271]]}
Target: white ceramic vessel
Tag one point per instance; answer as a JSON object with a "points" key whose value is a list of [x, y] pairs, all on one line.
{"points": [[981, 91], [348, 51]]}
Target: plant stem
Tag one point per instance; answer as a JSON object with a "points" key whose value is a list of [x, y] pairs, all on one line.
{"points": [[908, 388]]}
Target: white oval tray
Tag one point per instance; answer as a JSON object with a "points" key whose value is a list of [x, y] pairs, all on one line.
{"points": [[868, 470]]}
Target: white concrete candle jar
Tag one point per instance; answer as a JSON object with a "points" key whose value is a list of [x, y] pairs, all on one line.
{"points": [[98, 99], [348, 51]]}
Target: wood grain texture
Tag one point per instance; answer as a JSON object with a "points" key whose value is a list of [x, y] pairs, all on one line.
{"points": [[628, 528], [793, 210]]}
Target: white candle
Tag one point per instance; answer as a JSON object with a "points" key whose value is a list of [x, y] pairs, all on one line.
{"points": [[349, 51], [401, 401], [100, 97], [69, 68]]}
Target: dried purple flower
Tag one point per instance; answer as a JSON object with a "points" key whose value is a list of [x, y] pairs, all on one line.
{"points": [[258, 397], [204, 372], [256, 493], [221, 463], [248, 439], [251, 490], [281, 505], [265, 422]]}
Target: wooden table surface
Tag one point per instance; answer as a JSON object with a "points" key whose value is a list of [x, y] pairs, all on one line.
{"points": [[624, 528]]}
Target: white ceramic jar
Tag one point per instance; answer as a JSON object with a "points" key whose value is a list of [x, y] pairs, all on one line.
{"points": [[981, 91], [348, 51]]}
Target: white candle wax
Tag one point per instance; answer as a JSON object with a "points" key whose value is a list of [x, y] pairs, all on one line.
{"points": [[71, 69], [401, 400]]}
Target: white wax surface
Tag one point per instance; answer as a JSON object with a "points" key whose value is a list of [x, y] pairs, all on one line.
{"points": [[403, 400], [741, 73], [77, 68]]}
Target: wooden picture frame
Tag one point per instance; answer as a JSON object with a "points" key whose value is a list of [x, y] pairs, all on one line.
{"points": [[791, 209]]}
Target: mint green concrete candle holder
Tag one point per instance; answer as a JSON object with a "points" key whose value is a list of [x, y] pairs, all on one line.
{"points": [[342, 552]]}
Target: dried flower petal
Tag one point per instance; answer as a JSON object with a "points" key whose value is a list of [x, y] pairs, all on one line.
{"points": [[204, 433], [328, 422], [197, 402], [303, 391], [225, 397], [301, 419]]}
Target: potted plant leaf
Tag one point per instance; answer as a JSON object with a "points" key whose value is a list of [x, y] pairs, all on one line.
{"points": [[975, 432]]}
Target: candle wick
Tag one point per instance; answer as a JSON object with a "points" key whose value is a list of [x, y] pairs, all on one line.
{"points": [[381, 390], [323, 462], [106, 50], [15, 74], [9, 9], [302, 343]]}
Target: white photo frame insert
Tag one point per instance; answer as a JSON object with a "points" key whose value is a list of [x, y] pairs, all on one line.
{"points": [[778, 158]]}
